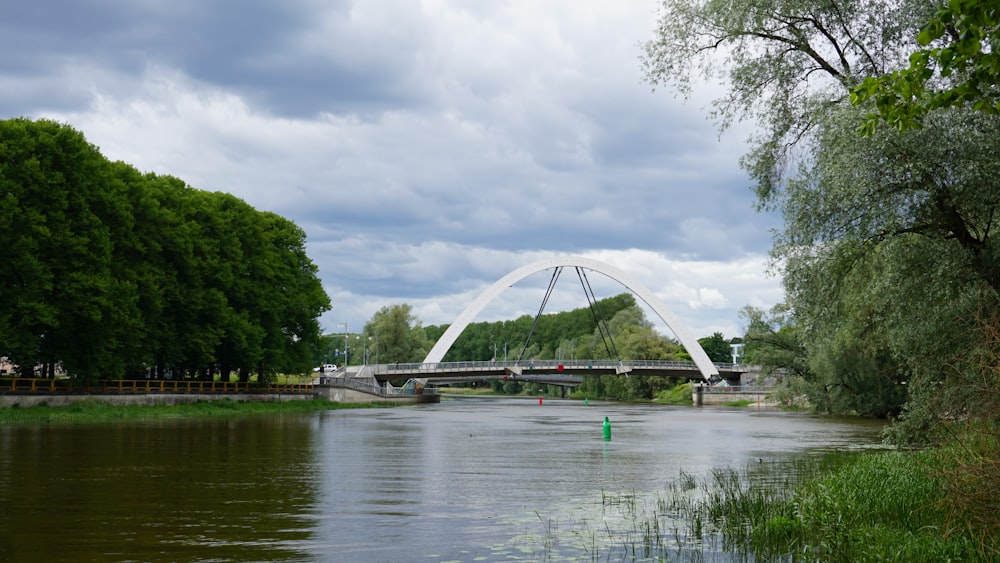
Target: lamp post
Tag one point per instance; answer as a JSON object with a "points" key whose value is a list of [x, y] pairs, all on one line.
{"points": [[737, 353], [347, 346]]}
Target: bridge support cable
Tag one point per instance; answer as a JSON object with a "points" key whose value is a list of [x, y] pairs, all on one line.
{"points": [[595, 309], [545, 300], [708, 370]]}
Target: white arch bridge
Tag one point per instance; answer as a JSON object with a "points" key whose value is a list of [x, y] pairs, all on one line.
{"points": [[433, 370], [553, 372]]}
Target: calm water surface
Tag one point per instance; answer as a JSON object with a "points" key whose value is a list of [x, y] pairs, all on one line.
{"points": [[470, 479]]}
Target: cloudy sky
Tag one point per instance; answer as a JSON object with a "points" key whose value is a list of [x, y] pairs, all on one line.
{"points": [[427, 147]]}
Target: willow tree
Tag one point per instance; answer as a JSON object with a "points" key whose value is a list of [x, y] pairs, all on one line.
{"points": [[887, 239], [957, 64], [398, 334]]}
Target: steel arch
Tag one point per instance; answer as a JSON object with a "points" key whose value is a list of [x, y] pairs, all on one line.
{"points": [[705, 365]]}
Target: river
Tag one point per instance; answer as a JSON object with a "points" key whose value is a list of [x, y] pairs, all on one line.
{"points": [[469, 479]]}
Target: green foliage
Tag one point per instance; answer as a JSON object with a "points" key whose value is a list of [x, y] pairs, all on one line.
{"points": [[717, 347], [556, 333], [872, 507], [677, 395], [957, 64], [111, 272], [774, 342], [887, 247], [89, 412], [398, 334], [849, 377], [970, 471], [888, 250], [959, 389], [782, 62]]}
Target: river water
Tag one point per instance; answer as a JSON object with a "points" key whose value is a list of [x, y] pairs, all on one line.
{"points": [[469, 479]]}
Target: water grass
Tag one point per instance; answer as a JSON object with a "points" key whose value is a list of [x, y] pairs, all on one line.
{"points": [[101, 412], [876, 506], [883, 506]]}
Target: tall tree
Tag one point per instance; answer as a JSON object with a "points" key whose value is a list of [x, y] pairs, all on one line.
{"points": [[61, 301], [717, 347], [783, 63], [401, 338], [887, 239], [109, 272], [774, 342]]}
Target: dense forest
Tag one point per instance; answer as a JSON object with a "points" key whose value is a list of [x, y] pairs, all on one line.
{"points": [[108, 272]]}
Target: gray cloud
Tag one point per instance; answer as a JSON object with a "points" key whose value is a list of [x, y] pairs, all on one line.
{"points": [[426, 148]]}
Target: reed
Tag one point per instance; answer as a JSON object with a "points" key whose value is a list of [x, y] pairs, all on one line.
{"points": [[882, 506], [874, 507]]}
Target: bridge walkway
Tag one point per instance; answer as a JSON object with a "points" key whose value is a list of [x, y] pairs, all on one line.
{"points": [[438, 372]]}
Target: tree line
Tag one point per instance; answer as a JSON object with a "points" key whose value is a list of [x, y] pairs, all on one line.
{"points": [[108, 272]]}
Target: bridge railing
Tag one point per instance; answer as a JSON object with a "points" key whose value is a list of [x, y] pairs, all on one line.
{"points": [[373, 389], [734, 389], [548, 364], [136, 386]]}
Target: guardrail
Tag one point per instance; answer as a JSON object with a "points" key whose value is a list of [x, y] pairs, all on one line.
{"points": [[29, 385], [122, 386], [372, 389], [549, 364], [734, 389]]}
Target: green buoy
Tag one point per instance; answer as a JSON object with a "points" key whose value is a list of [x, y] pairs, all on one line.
{"points": [[607, 429]]}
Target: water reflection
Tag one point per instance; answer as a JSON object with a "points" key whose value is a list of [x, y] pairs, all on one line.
{"points": [[232, 490], [464, 480]]}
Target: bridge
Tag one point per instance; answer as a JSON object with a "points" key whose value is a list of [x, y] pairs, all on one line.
{"points": [[557, 372], [566, 373], [700, 359]]}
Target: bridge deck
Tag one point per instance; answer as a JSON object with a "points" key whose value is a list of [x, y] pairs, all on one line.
{"points": [[442, 371]]}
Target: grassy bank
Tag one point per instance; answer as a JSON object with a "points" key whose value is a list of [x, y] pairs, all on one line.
{"points": [[845, 507], [882, 506], [677, 395], [889, 506], [95, 412]]}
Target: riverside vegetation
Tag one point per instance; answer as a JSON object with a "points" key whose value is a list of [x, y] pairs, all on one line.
{"points": [[885, 506], [85, 412], [887, 253]]}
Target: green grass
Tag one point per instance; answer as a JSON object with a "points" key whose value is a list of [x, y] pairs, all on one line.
{"points": [[844, 507], [95, 411], [882, 506], [677, 395]]}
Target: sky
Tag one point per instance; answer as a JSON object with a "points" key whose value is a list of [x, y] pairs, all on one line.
{"points": [[426, 147]]}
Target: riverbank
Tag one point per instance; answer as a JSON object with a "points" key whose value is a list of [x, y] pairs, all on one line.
{"points": [[876, 506], [100, 412]]}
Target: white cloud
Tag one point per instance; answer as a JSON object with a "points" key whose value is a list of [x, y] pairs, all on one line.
{"points": [[427, 149]]}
